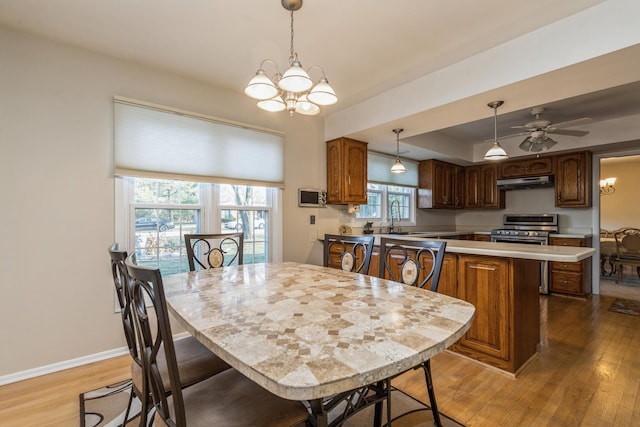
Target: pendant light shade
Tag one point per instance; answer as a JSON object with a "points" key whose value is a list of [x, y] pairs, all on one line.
{"points": [[398, 167], [496, 152]]}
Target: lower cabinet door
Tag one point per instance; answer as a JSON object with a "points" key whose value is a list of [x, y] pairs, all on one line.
{"points": [[484, 279]]}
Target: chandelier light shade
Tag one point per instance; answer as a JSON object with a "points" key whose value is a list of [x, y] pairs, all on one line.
{"points": [[536, 142], [398, 167], [294, 90], [607, 186], [496, 152]]}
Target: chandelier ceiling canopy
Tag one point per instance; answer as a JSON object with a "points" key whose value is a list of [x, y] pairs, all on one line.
{"points": [[294, 90]]}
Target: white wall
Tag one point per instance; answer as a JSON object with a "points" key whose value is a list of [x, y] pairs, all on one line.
{"points": [[57, 216], [538, 200]]}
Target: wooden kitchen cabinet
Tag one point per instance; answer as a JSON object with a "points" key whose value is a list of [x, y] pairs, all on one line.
{"points": [[346, 171], [482, 237], [570, 278], [505, 331], [526, 167], [440, 185], [505, 291], [481, 187], [573, 179]]}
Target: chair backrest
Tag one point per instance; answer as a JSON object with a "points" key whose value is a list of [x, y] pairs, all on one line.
{"points": [[120, 281], [412, 262], [146, 286], [213, 250], [628, 243], [349, 253]]}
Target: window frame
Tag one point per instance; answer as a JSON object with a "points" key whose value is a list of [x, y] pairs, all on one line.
{"points": [[385, 220]]}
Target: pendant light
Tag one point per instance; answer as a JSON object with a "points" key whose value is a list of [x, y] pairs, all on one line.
{"points": [[496, 152], [398, 167]]}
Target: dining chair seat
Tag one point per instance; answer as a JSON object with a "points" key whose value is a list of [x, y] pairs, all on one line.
{"points": [[232, 400], [195, 363]]}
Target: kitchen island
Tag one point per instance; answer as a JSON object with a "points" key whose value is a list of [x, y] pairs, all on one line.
{"points": [[502, 281]]}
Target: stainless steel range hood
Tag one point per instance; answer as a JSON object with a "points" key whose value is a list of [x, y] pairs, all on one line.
{"points": [[525, 183]]}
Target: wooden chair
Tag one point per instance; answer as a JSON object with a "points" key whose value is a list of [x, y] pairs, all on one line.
{"points": [[227, 399], [415, 263], [213, 250], [195, 361], [627, 250], [349, 253]]}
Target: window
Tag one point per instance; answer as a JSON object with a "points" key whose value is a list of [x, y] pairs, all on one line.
{"points": [[181, 172], [161, 212], [395, 201]]}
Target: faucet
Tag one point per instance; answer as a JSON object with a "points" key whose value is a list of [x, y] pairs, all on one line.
{"points": [[397, 203]]}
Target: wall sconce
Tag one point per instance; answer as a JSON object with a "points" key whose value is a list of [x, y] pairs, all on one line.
{"points": [[606, 186]]}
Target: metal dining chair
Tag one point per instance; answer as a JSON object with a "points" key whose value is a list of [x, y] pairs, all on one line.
{"points": [[416, 263], [195, 362], [228, 399], [213, 250], [349, 253]]}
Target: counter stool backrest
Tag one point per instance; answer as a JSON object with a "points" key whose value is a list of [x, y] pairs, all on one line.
{"points": [[349, 253], [206, 251], [413, 263]]}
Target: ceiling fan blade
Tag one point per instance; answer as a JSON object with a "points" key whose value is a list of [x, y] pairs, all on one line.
{"points": [[571, 123], [568, 132]]}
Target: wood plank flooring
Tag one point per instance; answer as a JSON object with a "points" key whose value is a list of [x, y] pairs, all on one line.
{"points": [[586, 374]]}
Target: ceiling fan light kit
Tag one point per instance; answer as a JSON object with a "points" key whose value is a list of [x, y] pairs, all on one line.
{"points": [[294, 90], [537, 130], [496, 152], [398, 167]]}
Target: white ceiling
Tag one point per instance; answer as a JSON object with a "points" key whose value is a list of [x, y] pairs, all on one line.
{"points": [[366, 47]]}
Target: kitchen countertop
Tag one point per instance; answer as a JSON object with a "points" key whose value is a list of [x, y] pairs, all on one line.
{"points": [[497, 249]]}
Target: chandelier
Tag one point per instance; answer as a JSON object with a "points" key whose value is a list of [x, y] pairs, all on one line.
{"points": [[398, 167], [496, 152], [294, 90]]}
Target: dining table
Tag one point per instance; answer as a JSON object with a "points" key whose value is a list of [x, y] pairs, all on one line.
{"points": [[311, 333]]}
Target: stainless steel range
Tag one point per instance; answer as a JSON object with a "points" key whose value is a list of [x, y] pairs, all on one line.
{"points": [[532, 229]]}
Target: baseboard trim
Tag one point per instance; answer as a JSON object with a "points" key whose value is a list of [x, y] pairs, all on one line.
{"points": [[68, 364]]}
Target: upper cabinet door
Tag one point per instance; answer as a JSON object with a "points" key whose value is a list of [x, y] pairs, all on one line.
{"points": [[526, 167], [346, 171], [439, 185], [573, 180]]}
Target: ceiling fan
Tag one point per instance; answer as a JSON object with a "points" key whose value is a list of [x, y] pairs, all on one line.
{"points": [[537, 130]]}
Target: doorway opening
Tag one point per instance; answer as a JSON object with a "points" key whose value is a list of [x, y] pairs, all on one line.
{"points": [[619, 208]]}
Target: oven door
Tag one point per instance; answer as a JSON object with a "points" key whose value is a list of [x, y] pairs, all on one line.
{"points": [[530, 240]]}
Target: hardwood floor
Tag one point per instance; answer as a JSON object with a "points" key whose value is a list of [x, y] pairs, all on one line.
{"points": [[586, 374]]}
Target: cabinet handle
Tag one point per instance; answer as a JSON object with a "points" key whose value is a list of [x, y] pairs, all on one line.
{"points": [[482, 267]]}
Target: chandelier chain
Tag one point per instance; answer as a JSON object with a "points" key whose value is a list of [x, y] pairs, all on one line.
{"points": [[291, 54]]}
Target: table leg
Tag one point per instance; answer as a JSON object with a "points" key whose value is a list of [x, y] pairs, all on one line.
{"points": [[320, 416]]}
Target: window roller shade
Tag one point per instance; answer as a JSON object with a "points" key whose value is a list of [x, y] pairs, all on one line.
{"points": [[378, 170], [151, 141]]}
